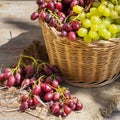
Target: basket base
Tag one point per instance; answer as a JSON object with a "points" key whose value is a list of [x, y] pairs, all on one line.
{"points": [[93, 84]]}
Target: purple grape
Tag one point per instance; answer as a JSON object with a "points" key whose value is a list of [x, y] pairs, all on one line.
{"points": [[24, 105], [73, 3], [67, 27], [34, 16], [75, 25], [42, 15], [59, 6], [1, 76], [17, 78], [29, 70], [51, 5], [64, 33]]}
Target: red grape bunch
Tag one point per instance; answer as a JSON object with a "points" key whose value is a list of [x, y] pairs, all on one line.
{"points": [[42, 83], [91, 20], [55, 13]]}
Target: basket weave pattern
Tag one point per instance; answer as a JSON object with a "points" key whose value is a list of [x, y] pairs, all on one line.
{"points": [[85, 64]]}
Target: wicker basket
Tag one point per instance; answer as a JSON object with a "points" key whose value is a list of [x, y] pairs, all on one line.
{"points": [[84, 65]]}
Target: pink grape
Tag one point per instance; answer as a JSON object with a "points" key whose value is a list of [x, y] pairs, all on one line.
{"points": [[36, 89], [7, 74], [11, 81], [67, 109], [59, 6], [34, 16], [72, 36], [36, 101], [55, 108], [48, 96], [56, 96], [51, 5], [45, 87], [17, 78], [42, 15], [26, 82], [73, 3], [55, 83], [24, 97], [30, 102], [24, 105]]}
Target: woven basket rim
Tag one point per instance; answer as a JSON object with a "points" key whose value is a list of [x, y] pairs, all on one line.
{"points": [[97, 45]]}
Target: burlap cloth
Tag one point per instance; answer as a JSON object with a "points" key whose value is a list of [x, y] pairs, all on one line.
{"points": [[98, 102]]}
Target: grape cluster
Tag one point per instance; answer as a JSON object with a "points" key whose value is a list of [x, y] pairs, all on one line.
{"points": [[42, 83], [88, 19]]}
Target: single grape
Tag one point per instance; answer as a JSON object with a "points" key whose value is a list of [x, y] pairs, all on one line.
{"points": [[59, 6], [34, 16], [48, 17], [64, 33], [17, 78], [113, 28], [72, 36], [82, 32], [56, 96], [72, 105], [79, 106], [55, 83], [95, 20], [11, 81], [30, 102], [67, 109], [42, 15], [93, 35], [106, 22], [101, 8], [36, 89], [73, 3], [24, 106], [67, 27], [106, 12], [55, 108], [86, 23], [24, 97], [48, 96], [45, 87], [75, 25], [77, 9], [51, 5]]}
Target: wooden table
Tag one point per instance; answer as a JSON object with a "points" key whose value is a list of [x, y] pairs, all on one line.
{"points": [[18, 31]]}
